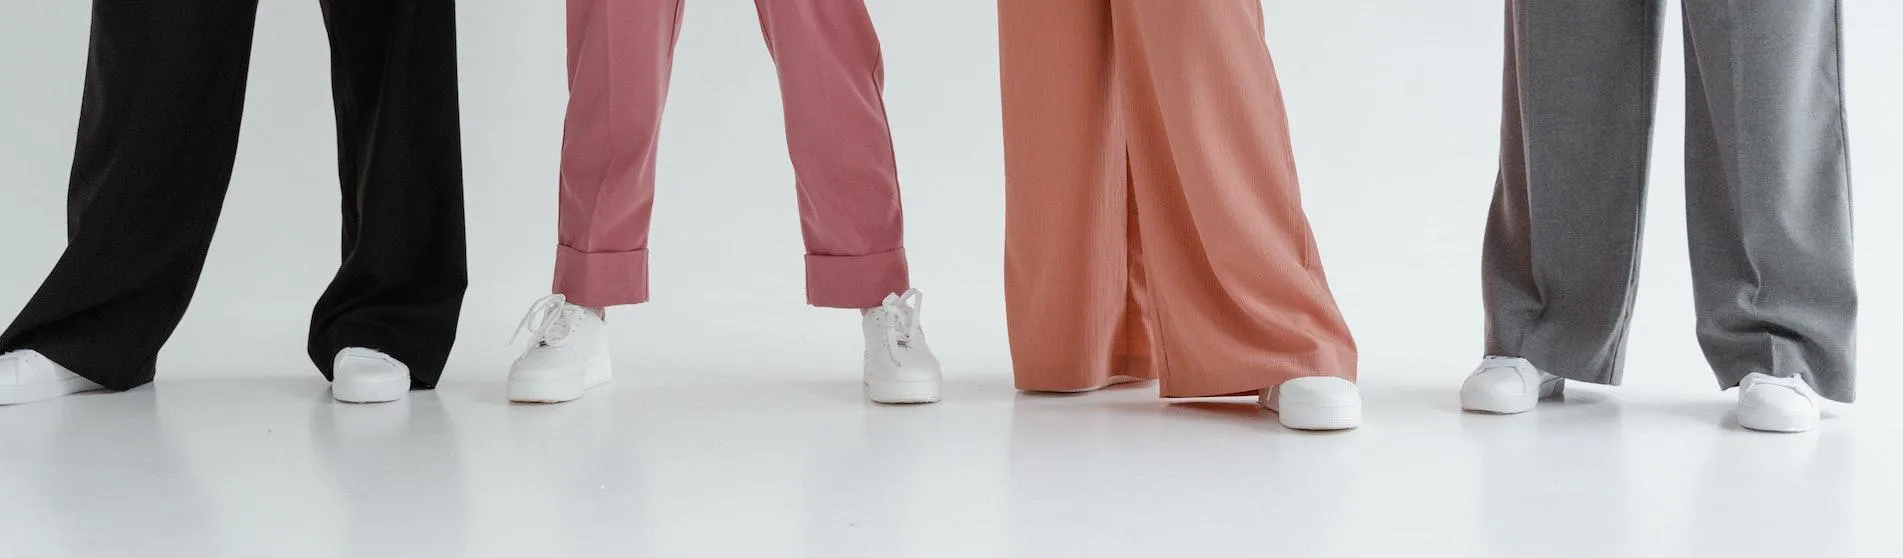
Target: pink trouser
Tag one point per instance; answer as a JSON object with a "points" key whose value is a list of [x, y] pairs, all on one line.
{"points": [[620, 55]]}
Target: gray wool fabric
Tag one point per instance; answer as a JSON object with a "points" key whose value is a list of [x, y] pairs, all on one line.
{"points": [[1767, 187]]}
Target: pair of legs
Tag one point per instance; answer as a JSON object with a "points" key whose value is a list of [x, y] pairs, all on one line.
{"points": [[1154, 227], [164, 96], [1767, 188], [620, 57]]}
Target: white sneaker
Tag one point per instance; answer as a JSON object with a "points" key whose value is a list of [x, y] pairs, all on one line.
{"points": [[28, 376], [900, 367], [567, 354], [1774, 404], [1315, 403], [362, 375], [1508, 385]]}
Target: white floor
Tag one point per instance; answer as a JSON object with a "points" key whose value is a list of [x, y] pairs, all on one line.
{"points": [[737, 465], [724, 437]]}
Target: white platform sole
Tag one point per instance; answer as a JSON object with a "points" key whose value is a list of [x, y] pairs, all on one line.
{"points": [[1766, 420], [1498, 403], [903, 392], [364, 391], [15, 395], [598, 371], [1320, 417], [1510, 403]]}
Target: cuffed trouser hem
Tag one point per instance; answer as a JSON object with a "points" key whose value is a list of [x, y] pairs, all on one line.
{"points": [[601, 279], [855, 281]]}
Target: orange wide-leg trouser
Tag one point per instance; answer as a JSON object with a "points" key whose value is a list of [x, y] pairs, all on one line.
{"points": [[1154, 227]]}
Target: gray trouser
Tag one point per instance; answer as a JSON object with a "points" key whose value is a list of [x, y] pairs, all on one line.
{"points": [[1766, 184]]}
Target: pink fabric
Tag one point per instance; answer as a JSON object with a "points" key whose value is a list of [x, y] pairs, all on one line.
{"points": [[620, 55]]}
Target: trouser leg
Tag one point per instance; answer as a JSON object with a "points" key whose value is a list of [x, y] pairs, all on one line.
{"points": [[620, 56], [1233, 278], [1768, 191], [832, 80], [158, 132], [1073, 280], [400, 287], [1560, 266]]}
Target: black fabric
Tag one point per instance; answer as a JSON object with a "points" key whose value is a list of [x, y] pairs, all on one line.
{"points": [[165, 85]]}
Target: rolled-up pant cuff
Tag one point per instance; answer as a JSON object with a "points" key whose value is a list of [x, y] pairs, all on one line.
{"points": [[855, 281], [601, 279]]}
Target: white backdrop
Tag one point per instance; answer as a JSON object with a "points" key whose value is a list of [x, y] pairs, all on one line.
{"points": [[1394, 105]]}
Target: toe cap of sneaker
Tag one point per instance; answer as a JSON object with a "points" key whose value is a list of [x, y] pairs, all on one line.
{"points": [[1775, 400], [1318, 390], [369, 370], [1499, 381]]}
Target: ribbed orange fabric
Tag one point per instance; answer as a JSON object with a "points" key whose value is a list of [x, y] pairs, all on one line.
{"points": [[1154, 227]]}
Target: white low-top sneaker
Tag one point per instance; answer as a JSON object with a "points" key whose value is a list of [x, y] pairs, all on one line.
{"points": [[362, 375], [900, 367], [567, 354], [1772, 404], [28, 376], [1315, 403], [1508, 385]]}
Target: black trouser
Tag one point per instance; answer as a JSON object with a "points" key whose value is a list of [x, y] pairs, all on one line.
{"points": [[165, 83]]}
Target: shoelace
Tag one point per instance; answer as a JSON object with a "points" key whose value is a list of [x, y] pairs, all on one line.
{"points": [[546, 322], [900, 316]]}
